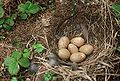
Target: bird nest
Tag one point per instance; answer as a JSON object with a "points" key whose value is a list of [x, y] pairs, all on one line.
{"points": [[94, 23]]}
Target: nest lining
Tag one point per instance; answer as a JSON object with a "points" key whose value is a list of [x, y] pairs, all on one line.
{"points": [[100, 33]]}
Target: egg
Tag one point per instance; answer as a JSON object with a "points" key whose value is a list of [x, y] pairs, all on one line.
{"points": [[63, 42], [78, 41], [87, 49], [77, 57], [64, 54], [72, 48]]}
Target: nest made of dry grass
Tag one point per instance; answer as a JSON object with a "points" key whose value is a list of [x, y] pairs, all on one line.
{"points": [[94, 22]]}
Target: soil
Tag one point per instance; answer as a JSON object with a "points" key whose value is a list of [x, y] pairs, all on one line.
{"points": [[53, 23]]}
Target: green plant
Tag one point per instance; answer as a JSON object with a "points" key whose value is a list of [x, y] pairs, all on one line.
{"points": [[118, 49], [14, 79], [49, 76], [116, 8], [16, 60], [27, 9], [38, 47], [1, 12], [26, 53], [7, 22]]}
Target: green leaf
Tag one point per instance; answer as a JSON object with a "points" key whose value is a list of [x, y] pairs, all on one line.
{"points": [[13, 68], [21, 8], [21, 79], [1, 26], [7, 27], [23, 16], [116, 7], [118, 49], [24, 62], [38, 47], [1, 3], [13, 16], [9, 60], [14, 79], [9, 22], [33, 8], [16, 55], [48, 76], [1, 12], [27, 4], [1, 21], [26, 53]]}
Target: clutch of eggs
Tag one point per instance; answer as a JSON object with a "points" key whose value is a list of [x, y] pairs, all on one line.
{"points": [[74, 50]]}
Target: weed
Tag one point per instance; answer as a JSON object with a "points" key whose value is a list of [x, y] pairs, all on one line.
{"points": [[7, 23], [27, 9], [38, 47], [49, 76], [16, 60]]}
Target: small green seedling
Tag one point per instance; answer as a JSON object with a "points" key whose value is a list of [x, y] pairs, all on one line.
{"points": [[38, 47], [14, 79], [49, 76], [27, 9], [16, 60]]}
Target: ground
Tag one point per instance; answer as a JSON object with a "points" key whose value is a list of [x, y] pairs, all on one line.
{"points": [[66, 18]]}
